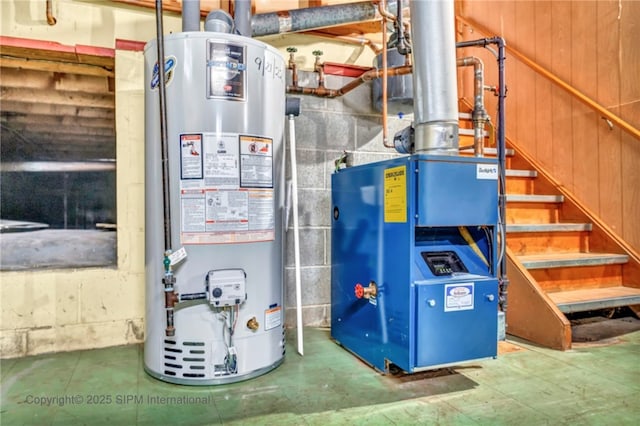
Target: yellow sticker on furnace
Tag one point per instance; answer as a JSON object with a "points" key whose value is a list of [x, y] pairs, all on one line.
{"points": [[395, 194]]}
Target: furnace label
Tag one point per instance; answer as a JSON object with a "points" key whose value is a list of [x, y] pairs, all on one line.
{"points": [[458, 297], [395, 194]]}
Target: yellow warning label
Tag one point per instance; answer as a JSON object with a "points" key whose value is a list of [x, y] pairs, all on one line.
{"points": [[395, 194]]}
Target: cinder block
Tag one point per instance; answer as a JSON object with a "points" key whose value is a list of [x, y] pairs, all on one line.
{"points": [[310, 168], [371, 157], [314, 207], [341, 131], [312, 247], [312, 316], [315, 283], [311, 130]]}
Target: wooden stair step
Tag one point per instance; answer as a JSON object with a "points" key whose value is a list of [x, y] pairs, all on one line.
{"points": [[549, 227], [520, 198], [595, 298], [469, 132], [489, 151], [521, 173], [561, 260]]}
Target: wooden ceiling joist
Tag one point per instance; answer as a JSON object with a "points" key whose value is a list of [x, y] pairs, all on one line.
{"points": [[13, 77], [54, 66], [57, 97], [64, 121], [40, 50], [26, 107]]}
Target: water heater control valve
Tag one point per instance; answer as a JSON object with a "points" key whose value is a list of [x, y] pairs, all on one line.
{"points": [[226, 287]]}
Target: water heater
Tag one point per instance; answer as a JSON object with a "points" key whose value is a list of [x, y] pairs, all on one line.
{"points": [[225, 105]]}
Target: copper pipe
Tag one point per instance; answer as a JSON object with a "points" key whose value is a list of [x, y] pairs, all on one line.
{"points": [[382, 6], [293, 66], [365, 77], [550, 76], [479, 114], [51, 20], [317, 67]]}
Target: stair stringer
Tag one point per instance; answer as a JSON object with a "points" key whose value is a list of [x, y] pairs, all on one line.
{"points": [[531, 314]]}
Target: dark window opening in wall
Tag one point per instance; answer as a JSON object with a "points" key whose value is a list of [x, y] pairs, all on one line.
{"points": [[57, 158]]}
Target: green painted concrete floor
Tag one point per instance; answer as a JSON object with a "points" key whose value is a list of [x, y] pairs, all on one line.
{"points": [[525, 385]]}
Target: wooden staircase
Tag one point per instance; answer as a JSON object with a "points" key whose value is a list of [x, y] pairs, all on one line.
{"points": [[561, 258]]}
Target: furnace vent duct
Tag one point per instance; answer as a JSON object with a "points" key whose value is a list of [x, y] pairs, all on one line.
{"points": [[435, 104]]}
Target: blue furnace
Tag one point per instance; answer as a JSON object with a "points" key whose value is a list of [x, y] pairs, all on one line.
{"points": [[414, 261]]}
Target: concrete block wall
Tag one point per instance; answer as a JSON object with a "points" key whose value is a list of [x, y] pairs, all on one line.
{"points": [[324, 129]]}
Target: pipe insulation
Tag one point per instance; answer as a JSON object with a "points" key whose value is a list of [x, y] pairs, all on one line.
{"points": [[435, 104], [190, 15], [315, 17]]}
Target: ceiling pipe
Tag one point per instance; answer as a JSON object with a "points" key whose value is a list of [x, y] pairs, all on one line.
{"points": [[315, 17], [372, 74], [190, 15], [435, 104]]}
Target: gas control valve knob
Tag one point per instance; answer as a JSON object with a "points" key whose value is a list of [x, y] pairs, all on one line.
{"points": [[216, 292]]}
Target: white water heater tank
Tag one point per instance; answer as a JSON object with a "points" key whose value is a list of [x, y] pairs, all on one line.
{"points": [[225, 101]]}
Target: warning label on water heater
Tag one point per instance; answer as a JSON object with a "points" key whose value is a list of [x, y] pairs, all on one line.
{"points": [[224, 197]]}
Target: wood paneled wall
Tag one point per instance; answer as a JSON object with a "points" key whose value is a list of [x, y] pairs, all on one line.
{"points": [[593, 46]]}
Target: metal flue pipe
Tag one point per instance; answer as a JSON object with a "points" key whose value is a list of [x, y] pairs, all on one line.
{"points": [[190, 15], [242, 17], [435, 104]]}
